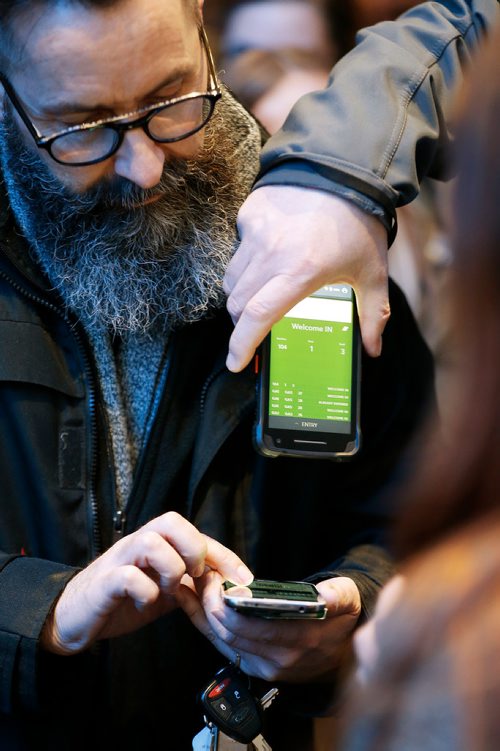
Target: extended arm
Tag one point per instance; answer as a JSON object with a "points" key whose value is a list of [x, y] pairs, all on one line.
{"points": [[367, 140]]}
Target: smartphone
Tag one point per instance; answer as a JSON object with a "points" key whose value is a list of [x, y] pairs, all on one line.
{"points": [[274, 599], [309, 378]]}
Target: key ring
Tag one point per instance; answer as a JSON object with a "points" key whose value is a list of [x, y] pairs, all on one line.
{"points": [[237, 661]]}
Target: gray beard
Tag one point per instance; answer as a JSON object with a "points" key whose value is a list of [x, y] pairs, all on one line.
{"points": [[122, 268]]}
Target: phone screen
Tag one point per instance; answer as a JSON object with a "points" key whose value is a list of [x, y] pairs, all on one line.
{"points": [[276, 599], [275, 590], [310, 370]]}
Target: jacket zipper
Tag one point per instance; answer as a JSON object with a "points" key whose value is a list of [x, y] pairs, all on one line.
{"points": [[95, 539], [120, 515], [211, 378], [193, 484]]}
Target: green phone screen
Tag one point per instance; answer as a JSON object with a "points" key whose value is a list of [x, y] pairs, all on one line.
{"points": [[311, 364]]}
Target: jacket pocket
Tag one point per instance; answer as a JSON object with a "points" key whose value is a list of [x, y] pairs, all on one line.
{"points": [[29, 355], [43, 446]]}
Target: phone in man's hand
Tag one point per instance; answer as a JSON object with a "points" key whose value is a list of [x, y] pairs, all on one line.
{"points": [[309, 379], [276, 599]]}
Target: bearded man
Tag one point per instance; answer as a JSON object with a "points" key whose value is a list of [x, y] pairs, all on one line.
{"points": [[130, 487]]}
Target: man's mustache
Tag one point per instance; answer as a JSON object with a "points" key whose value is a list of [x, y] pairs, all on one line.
{"points": [[117, 193]]}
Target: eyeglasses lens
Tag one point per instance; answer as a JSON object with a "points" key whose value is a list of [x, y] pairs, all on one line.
{"points": [[84, 145], [181, 119], [171, 123]]}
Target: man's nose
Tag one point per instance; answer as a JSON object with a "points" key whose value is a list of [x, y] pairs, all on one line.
{"points": [[139, 159]]}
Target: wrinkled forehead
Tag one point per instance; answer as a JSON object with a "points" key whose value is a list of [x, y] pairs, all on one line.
{"points": [[108, 58], [46, 36]]}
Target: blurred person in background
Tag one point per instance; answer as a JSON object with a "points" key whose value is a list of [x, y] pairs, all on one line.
{"points": [[274, 24], [273, 52], [347, 17], [269, 82], [429, 660], [434, 684]]}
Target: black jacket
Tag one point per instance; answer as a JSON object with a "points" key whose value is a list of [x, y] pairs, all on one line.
{"points": [[286, 518]]}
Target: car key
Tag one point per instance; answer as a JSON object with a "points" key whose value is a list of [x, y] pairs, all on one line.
{"points": [[225, 743], [259, 743], [230, 705], [268, 698], [206, 739]]}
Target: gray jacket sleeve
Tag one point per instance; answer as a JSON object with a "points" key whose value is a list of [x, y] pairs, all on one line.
{"points": [[383, 121]]}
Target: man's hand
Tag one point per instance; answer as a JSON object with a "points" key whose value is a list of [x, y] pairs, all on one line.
{"points": [[293, 241], [292, 651], [135, 582]]}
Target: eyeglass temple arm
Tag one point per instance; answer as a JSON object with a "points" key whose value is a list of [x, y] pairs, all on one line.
{"points": [[210, 57]]}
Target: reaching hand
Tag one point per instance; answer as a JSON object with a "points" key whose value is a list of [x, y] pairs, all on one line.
{"points": [[134, 582], [293, 241]]}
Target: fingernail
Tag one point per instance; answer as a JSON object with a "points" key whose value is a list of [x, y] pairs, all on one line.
{"points": [[231, 363], [244, 575], [199, 571]]}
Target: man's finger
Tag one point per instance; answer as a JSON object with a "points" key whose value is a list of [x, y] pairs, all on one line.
{"points": [[227, 563], [227, 643], [374, 311], [245, 288], [183, 537], [196, 550], [270, 304], [191, 605], [341, 595], [131, 582], [237, 267]]}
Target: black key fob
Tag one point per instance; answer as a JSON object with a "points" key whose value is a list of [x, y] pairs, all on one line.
{"points": [[229, 704]]}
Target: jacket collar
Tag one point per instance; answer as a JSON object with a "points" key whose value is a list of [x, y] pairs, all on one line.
{"points": [[15, 247], [4, 204]]}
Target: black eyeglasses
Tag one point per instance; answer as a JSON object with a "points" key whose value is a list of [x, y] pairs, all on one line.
{"points": [[165, 122]]}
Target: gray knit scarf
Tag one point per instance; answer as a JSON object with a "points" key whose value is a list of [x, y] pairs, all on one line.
{"points": [[162, 267]]}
